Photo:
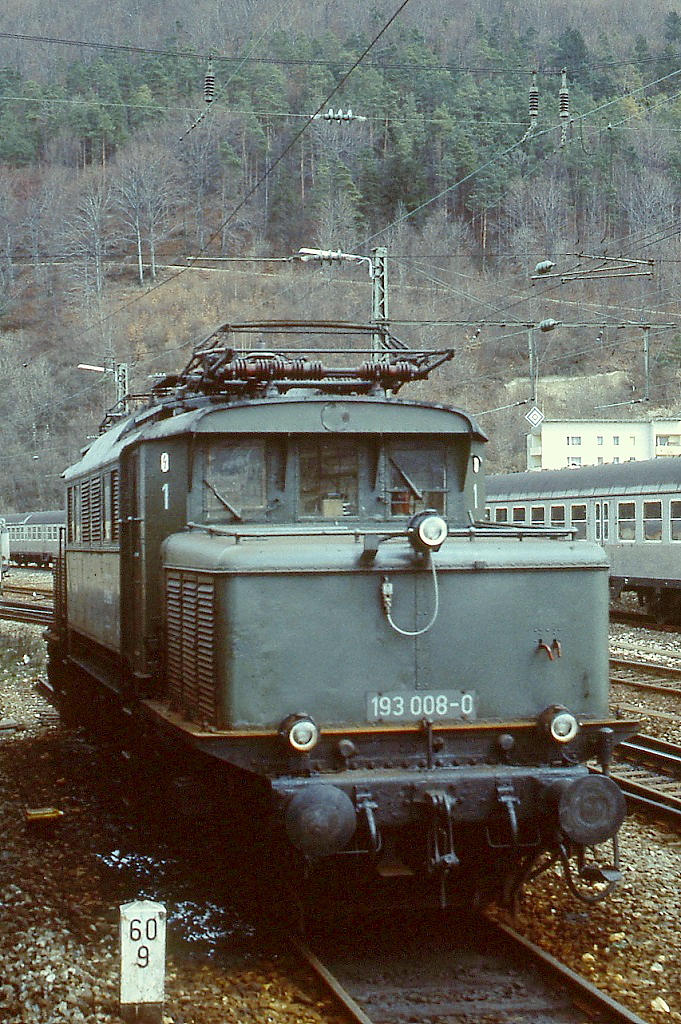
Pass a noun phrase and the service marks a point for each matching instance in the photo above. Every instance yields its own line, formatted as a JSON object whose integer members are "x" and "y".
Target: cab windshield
{"x": 290, "y": 479}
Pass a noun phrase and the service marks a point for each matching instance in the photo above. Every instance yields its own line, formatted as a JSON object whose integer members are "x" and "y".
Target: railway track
{"x": 648, "y": 771}
{"x": 649, "y": 658}
{"x": 27, "y": 591}
{"x": 469, "y": 968}
{"x": 16, "y": 611}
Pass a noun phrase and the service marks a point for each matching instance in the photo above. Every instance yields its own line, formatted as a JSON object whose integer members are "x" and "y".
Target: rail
{"x": 481, "y": 968}
{"x": 15, "y": 611}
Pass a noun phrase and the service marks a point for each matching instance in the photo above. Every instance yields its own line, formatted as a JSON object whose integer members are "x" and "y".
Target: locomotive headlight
{"x": 561, "y": 725}
{"x": 564, "y": 727}
{"x": 427, "y": 530}
{"x": 300, "y": 732}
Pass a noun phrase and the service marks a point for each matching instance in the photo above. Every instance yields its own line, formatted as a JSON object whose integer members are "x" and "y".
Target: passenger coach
{"x": 632, "y": 509}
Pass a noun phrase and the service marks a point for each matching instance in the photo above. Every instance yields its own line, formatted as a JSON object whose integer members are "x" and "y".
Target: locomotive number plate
{"x": 412, "y": 707}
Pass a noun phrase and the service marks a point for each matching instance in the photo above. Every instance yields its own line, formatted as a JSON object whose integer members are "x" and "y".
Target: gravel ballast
{"x": 62, "y": 881}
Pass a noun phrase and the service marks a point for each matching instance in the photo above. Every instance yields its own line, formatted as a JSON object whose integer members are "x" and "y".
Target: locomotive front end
{"x": 440, "y": 707}
{"x": 415, "y": 686}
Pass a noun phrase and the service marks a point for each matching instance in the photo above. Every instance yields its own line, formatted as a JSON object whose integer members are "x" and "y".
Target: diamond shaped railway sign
{"x": 535, "y": 416}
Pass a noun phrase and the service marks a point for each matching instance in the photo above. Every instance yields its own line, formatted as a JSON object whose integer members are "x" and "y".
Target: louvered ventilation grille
{"x": 96, "y": 509}
{"x": 85, "y": 511}
{"x": 115, "y": 511}
{"x": 190, "y": 627}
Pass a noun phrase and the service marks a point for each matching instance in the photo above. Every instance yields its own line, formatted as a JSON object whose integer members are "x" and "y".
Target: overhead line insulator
{"x": 209, "y": 85}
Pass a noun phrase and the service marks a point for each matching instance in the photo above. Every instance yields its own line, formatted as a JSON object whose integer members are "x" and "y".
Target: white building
{"x": 557, "y": 444}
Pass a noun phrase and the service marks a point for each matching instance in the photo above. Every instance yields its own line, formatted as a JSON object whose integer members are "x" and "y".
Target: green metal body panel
{"x": 156, "y": 459}
{"x": 93, "y": 595}
{"x": 300, "y": 626}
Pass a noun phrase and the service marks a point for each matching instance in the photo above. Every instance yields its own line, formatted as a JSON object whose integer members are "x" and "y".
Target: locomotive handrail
{"x": 265, "y": 530}
{"x": 515, "y": 529}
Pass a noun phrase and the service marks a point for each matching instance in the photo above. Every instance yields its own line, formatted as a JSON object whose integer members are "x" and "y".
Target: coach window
{"x": 558, "y": 515}
{"x": 578, "y": 517}
{"x": 538, "y": 515}
{"x": 602, "y": 521}
{"x": 519, "y": 514}
{"x": 652, "y": 520}
{"x": 675, "y": 520}
{"x": 501, "y": 515}
{"x": 626, "y": 520}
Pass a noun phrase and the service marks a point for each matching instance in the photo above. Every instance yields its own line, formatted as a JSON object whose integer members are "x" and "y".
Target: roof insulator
{"x": 209, "y": 84}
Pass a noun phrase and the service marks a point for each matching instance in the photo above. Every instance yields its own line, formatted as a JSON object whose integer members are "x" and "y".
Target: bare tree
{"x": 145, "y": 194}
{"x": 42, "y": 214}
{"x": 89, "y": 234}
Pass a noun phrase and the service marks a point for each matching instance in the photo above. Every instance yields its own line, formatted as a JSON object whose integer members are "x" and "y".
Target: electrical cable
{"x": 330, "y": 61}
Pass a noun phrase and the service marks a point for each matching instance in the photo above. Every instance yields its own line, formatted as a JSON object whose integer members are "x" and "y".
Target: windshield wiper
{"x": 410, "y": 484}
{"x": 230, "y": 508}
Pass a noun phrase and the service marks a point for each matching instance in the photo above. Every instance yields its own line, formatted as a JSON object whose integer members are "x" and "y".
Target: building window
{"x": 633, "y": 441}
{"x": 574, "y": 440}
{"x": 574, "y": 460}
{"x": 626, "y": 520}
{"x": 599, "y": 440}
{"x": 615, "y": 461}
{"x": 652, "y": 520}
{"x": 600, "y": 460}
{"x": 616, "y": 439}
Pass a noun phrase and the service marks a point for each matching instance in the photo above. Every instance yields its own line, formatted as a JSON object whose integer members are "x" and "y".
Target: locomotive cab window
{"x": 416, "y": 479}
{"x": 234, "y": 481}
{"x": 329, "y": 478}
{"x": 675, "y": 520}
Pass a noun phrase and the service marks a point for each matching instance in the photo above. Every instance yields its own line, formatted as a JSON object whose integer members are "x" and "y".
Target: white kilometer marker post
{"x": 143, "y": 957}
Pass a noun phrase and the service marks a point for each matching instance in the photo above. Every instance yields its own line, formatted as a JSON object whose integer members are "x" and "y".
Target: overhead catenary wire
{"x": 334, "y": 61}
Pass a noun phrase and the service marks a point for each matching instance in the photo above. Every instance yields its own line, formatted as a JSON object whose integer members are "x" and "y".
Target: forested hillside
{"x": 473, "y": 141}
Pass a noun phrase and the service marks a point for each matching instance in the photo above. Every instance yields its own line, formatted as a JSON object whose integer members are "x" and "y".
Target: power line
{"x": 334, "y": 61}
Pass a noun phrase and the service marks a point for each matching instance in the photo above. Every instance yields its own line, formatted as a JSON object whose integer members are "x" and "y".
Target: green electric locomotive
{"x": 276, "y": 574}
